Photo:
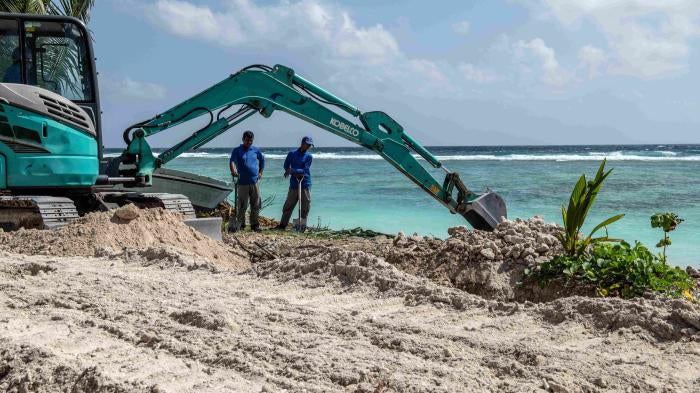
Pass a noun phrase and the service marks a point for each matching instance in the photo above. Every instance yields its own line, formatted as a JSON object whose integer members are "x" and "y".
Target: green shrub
{"x": 667, "y": 222}
{"x": 618, "y": 270}
{"x": 580, "y": 202}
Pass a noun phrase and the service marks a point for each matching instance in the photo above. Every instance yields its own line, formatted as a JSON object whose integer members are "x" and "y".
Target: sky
{"x": 496, "y": 72}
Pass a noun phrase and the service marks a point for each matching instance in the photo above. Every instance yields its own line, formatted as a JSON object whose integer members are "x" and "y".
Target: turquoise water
{"x": 353, "y": 187}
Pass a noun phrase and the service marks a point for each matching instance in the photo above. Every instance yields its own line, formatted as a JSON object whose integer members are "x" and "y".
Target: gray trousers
{"x": 291, "y": 202}
{"x": 248, "y": 193}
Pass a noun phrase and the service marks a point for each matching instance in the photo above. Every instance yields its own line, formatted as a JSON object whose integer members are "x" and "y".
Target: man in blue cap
{"x": 298, "y": 165}
{"x": 247, "y": 164}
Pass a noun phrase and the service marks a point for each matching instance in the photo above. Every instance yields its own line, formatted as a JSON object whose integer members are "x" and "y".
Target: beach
{"x": 278, "y": 311}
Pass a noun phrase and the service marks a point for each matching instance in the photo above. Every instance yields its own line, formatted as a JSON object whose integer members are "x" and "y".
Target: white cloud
{"x": 428, "y": 69}
{"x": 592, "y": 59}
{"x": 648, "y": 38}
{"x": 131, "y": 89}
{"x": 188, "y": 20}
{"x": 323, "y": 29}
{"x": 475, "y": 74}
{"x": 552, "y": 73}
{"x": 461, "y": 28}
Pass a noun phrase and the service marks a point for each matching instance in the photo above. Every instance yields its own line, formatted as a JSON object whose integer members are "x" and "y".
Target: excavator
{"x": 52, "y": 166}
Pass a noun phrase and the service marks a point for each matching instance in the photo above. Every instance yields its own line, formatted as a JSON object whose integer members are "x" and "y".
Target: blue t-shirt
{"x": 249, "y": 162}
{"x": 298, "y": 163}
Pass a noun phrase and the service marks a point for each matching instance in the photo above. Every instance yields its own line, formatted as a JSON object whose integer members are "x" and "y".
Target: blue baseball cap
{"x": 308, "y": 140}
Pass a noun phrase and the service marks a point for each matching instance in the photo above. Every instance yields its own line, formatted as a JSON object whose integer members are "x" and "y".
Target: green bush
{"x": 618, "y": 270}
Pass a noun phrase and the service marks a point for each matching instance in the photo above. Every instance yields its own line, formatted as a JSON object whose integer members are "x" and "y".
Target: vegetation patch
{"x": 620, "y": 270}
{"x": 612, "y": 266}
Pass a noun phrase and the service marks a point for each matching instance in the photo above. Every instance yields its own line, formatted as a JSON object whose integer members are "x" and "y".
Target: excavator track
{"x": 176, "y": 203}
{"x": 35, "y": 212}
{"x": 49, "y": 212}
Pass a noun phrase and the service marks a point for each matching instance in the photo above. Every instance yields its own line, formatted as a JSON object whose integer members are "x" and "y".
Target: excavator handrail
{"x": 262, "y": 89}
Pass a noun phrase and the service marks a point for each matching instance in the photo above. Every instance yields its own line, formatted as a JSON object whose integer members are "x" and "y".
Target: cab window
{"x": 55, "y": 58}
{"x": 10, "y": 54}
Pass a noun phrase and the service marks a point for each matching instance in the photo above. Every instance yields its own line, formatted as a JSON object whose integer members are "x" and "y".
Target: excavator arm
{"x": 261, "y": 89}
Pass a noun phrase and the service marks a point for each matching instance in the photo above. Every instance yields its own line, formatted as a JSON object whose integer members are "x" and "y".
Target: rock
{"x": 557, "y": 387}
{"x": 601, "y": 382}
{"x": 513, "y": 239}
{"x": 488, "y": 253}
{"x": 456, "y": 231}
{"x": 528, "y": 252}
{"x": 539, "y": 360}
{"x": 127, "y": 212}
{"x": 536, "y": 220}
{"x": 692, "y": 272}
{"x": 542, "y": 248}
{"x": 399, "y": 238}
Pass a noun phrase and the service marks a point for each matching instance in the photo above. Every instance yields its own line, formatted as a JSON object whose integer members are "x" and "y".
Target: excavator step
{"x": 35, "y": 212}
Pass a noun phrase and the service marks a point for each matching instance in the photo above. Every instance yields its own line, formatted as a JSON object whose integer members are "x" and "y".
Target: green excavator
{"x": 52, "y": 167}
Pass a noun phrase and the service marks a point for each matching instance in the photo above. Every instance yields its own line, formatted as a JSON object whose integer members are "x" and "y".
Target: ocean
{"x": 352, "y": 187}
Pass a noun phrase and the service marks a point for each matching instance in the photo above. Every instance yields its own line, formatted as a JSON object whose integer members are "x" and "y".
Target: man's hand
{"x": 234, "y": 174}
{"x": 286, "y": 173}
{"x": 259, "y": 175}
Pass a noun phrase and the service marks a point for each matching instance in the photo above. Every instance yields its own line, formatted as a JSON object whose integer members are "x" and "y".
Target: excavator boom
{"x": 263, "y": 90}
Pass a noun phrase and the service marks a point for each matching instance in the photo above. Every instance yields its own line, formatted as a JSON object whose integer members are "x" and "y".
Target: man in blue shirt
{"x": 298, "y": 164}
{"x": 247, "y": 164}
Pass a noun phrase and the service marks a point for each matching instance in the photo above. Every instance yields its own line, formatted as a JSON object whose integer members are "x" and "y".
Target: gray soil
{"x": 378, "y": 315}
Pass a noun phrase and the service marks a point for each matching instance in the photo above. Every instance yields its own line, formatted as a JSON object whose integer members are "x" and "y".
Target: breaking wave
{"x": 590, "y": 156}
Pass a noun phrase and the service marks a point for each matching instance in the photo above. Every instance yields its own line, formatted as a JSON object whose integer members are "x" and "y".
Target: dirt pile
{"x": 658, "y": 319}
{"x": 361, "y": 272}
{"x": 489, "y": 264}
{"x": 152, "y": 231}
{"x": 358, "y": 271}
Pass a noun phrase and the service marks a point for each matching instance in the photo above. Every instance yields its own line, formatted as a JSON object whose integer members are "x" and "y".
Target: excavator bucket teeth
{"x": 486, "y": 211}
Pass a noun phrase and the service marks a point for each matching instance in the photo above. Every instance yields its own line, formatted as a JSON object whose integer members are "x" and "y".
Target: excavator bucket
{"x": 485, "y": 212}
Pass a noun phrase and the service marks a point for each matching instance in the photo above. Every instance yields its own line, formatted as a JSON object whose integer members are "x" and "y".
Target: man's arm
{"x": 305, "y": 169}
{"x": 261, "y": 163}
{"x": 287, "y": 165}
{"x": 232, "y": 165}
{"x": 307, "y": 165}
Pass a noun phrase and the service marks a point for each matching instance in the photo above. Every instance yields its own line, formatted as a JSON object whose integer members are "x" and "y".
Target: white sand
{"x": 320, "y": 318}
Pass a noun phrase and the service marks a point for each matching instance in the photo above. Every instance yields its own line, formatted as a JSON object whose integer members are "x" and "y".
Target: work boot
{"x": 256, "y": 229}
{"x": 280, "y": 228}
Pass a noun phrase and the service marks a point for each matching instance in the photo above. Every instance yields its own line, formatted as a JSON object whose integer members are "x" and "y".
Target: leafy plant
{"x": 667, "y": 222}
{"x": 574, "y": 216}
{"x": 619, "y": 270}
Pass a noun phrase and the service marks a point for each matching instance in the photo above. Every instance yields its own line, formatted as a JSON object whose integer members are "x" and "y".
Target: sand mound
{"x": 105, "y": 234}
{"x": 664, "y": 319}
{"x": 360, "y": 272}
{"x": 489, "y": 264}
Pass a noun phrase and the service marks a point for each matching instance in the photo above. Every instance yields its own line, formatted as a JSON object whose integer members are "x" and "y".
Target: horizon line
{"x": 429, "y": 146}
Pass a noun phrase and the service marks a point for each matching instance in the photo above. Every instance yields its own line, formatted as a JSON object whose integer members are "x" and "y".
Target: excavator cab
{"x": 50, "y": 130}
{"x": 49, "y": 108}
